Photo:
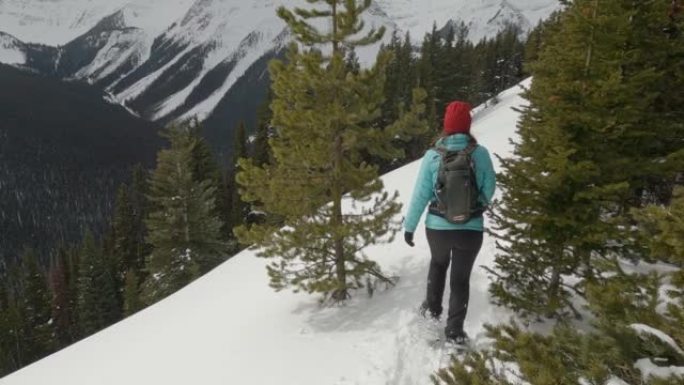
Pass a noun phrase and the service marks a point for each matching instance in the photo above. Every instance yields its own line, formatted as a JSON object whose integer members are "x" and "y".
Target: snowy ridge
{"x": 484, "y": 17}
{"x": 11, "y": 51}
{"x": 57, "y": 22}
{"x": 53, "y": 22}
{"x": 226, "y": 326}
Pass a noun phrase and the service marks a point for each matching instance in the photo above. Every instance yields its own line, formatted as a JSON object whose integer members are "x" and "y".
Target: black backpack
{"x": 456, "y": 189}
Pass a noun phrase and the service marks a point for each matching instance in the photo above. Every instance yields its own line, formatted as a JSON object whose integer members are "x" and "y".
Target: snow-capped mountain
{"x": 167, "y": 59}
{"x": 483, "y": 17}
{"x": 11, "y": 50}
{"x": 53, "y": 22}
{"x": 230, "y": 327}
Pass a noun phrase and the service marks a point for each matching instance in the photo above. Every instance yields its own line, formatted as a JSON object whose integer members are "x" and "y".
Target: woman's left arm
{"x": 485, "y": 174}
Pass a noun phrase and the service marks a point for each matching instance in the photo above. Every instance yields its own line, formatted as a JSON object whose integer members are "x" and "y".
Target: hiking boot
{"x": 425, "y": 312}
{"x": 459, "y": 338}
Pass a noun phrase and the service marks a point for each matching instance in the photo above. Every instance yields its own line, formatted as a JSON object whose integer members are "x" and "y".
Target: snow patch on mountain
{"x": 141, "y": 85}
{"x": 11, "y": 51}
{"x": 239, "y": 34}
{"x": 253, "y": 47}
{"x": 154, "y": 16}
{"x": 119, "y": 48}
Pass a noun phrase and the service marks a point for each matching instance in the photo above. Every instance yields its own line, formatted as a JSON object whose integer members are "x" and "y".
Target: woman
{"x": 457, "y": 244}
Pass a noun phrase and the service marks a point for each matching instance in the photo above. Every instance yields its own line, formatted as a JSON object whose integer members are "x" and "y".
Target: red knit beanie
{"x": 457, "y": 118}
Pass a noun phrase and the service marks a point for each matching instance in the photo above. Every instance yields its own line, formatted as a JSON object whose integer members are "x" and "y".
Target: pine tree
{"x": 463, "y": 58}
{"x": 132, "y": 301}
{"x": 260, "y": 151}
{"x": 445, "y": 70}
{"x": 140, "y": 208}
{"x": 126, "y": 247}
{"x": 128, "y": 231}
{"x": 63, "y": 311}
{"x": 602, "y": 87}
{"x": 205, "y": 167}
{"x": 36, "y": 306}
{"x": 664, "y": 227}
{"x": 427, "y": 78}
{"x": 584, "y": 156}
{"x": 392, "y": 80}
{"x": 12, "y": 342}
{"x": 408, "y": 71}
{"x": 322, "y": 113}
{"x": 401, "y": 84}
{"x": 238, "y": 208}
{"x": 414, "y": 97}
{"x": 626, "y": 310}
{"x": 7, "y": 339}
{"x": 98, "y": 293}
{"x": 184, "y": 227}
{"x": 352, "y": 63}
{"x": 509, "y": 50}
{"x": 112, "y": 263}
{"x": 537, "y": 38}
{"x": 73, "y": 267}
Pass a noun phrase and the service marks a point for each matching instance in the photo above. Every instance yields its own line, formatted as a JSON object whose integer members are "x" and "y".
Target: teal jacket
{"x": 423, "y": 192}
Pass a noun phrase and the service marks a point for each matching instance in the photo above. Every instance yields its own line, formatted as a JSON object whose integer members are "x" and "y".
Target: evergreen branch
{"x": 311, "y": 14}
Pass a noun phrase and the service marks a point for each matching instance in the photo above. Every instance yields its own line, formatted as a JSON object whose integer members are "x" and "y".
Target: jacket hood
{"x": 454, "y": 142}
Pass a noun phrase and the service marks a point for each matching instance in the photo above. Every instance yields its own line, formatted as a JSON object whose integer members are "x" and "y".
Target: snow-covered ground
{"x": 229, "y": 327}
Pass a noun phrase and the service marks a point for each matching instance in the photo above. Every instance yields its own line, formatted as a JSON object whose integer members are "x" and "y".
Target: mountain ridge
{"x": 154, "y": 56}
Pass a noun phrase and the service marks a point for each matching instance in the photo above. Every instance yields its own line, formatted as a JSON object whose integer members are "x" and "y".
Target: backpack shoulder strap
{"x": 470, "y": 148}
{"x": 441, "y": 150}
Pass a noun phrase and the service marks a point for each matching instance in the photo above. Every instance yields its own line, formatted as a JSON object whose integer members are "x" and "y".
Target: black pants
{"x": 460, "y": 248}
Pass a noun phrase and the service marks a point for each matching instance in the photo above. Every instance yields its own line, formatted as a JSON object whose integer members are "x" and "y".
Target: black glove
{"x": 408, "y": 237}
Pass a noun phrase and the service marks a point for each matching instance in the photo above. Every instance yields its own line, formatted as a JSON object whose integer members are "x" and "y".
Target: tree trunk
{"x": 590, "y": 50}
{"x": 554, "y": 294}
{"x": 340, "y": 293}
{"x": 335, "y": 42}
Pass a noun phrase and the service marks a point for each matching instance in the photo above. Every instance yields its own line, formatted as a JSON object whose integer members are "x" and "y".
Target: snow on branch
{"x": 645, "y": 329}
